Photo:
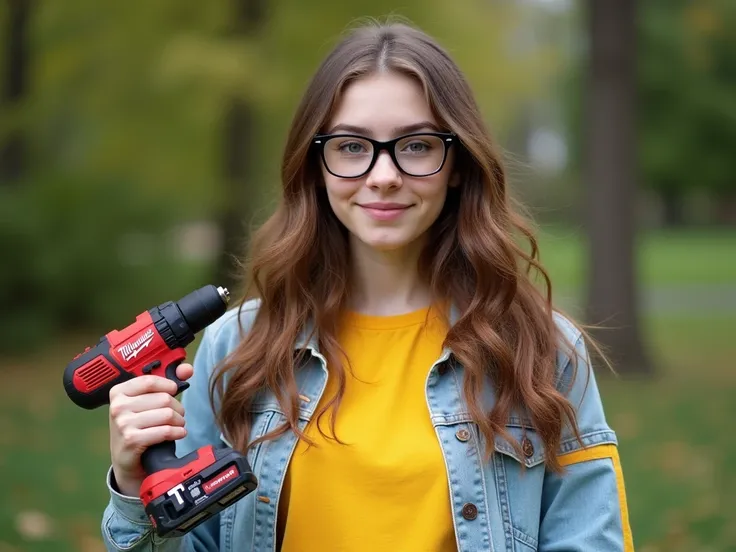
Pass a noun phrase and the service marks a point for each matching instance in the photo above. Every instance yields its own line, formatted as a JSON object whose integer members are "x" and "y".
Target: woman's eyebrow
{"x": 406, "y": 129}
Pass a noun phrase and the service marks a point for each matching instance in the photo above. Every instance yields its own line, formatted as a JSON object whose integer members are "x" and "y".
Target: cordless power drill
{"x": 178, "y": 493}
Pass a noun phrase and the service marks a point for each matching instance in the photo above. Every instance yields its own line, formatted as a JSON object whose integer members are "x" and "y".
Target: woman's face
{"x": 385, "y": 209}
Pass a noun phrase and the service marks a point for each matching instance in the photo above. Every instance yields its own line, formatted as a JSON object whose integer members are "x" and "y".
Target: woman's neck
{"x": 384, "y": 283}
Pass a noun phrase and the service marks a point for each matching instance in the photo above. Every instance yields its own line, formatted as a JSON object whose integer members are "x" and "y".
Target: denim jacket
{"x": 510, "y": 503}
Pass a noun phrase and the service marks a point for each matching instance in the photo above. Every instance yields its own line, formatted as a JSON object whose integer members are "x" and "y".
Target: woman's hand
{"x": 143, "y": 412}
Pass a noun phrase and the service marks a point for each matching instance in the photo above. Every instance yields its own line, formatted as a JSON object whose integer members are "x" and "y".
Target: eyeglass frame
{"x": 448, "y": 139}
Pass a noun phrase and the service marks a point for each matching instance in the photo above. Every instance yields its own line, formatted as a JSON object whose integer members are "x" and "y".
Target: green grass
{"x": 664, "y": 258}
{"x": 56, "y": 455}
{"x": 677, "y": 452}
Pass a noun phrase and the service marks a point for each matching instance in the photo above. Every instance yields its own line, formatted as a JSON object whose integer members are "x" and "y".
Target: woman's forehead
{"x": 383, "y": 105}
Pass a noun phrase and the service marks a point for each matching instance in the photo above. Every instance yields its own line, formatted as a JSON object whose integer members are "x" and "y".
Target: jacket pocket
{"x": 530, "y": 442}
{"x": 519, "y": 478}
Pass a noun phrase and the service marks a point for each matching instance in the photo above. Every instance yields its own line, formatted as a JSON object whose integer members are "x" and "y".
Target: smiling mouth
{"x": 384, "y": 212}
{"x": 389, "y": 207}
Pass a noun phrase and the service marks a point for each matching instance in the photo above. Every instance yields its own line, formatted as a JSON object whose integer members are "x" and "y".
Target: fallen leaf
{"x": 7, "y": 434}
{"x": 728, "y": 537}
{"x": 676, "y": 536}
{"x": 34, "y": 525}
{"x": 84, "y": 532}
{"x": 705, "y": 506}
{"x": 38, "y": 441}
{"x": 91, "y": 544}
{"x": 626, "y": 425}
{"x": 98, "y": 441}
{"x": 675, "y": 457}
{"x": 702, "y": 468}
{"x": 67, "y": 479}
{"x": 43, "y": 405}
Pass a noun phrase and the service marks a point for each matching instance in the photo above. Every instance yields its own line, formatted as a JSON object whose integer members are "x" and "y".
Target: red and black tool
{"x": 178, "y": 493}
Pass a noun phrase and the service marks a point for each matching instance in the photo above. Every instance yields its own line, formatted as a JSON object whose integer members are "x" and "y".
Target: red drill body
{"x": 179, "y": 493}
{"x": 121, "y": 355}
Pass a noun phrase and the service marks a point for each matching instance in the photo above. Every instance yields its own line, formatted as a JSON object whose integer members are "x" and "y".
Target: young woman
{"x": 396, "y": 378}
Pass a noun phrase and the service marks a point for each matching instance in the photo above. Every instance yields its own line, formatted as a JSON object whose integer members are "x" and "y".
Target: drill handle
{"x": 160, "y": 457}
{"x": 163, "y": 455}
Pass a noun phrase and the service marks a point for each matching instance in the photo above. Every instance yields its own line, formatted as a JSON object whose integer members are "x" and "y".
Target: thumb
{"x": 184, "y": 371}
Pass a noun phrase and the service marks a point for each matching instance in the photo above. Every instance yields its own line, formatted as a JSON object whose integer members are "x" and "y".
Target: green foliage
{"x": 686, "y": 70}
{"x": 124, "y": 119}
{"x": 81, "y": 253}
{"x": 687, "y": 75}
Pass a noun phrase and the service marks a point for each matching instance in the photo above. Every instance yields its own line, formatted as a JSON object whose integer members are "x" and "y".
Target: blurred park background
{"x": 140, "y": 139}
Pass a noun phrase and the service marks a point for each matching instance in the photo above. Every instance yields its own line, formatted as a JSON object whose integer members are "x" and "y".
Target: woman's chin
{"x": 386, "y": 244}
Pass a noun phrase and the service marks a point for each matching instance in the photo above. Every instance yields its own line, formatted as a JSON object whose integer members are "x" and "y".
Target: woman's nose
{"x": 385, "y": 173}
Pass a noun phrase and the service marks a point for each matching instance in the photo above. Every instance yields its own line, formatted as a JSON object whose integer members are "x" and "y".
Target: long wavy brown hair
{"x": 298, "y": 264}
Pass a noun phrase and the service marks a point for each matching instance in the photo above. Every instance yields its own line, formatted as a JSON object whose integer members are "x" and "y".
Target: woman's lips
{"x": 384, "y": 211}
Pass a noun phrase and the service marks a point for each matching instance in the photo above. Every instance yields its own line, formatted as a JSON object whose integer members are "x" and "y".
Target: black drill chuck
{"x": 203, "y": 306}
{"x": 179, "y": 322}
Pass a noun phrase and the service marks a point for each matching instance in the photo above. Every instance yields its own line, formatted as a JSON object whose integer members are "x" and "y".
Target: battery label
{"x": 220, "y": 479}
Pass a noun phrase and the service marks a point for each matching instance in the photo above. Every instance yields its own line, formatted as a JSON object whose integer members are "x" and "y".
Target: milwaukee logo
{"x": 220, "y": 480}
{"x": 131, "y": 350}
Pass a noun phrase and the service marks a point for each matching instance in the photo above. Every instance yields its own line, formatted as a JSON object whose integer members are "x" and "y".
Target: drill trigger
{"x": 171, "y": 374}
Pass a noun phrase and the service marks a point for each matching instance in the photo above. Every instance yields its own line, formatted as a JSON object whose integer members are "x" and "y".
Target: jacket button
{"x": 462, "y": 435}
{"x": 470, "y": 511}
{"x": 527, "y": 447}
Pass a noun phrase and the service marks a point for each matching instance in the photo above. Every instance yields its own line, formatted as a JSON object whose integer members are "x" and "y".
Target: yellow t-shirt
{"x": 386, "y": 487}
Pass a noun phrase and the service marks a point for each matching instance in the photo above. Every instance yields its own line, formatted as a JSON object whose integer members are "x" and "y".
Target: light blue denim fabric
{"x": 497, "y": 506}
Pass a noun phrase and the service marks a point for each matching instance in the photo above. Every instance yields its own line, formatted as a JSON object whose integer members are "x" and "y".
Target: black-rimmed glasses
{"x": 352, "y": 156}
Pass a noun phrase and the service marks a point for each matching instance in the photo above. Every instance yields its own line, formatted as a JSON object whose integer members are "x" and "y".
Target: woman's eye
{"x": 352, "y": 147}
{"x": 417, "y": 147}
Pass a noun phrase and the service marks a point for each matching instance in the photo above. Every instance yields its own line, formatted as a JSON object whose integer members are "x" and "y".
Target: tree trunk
{"x": 674, "y": 208}
{"x": 239, "y": 141}
{"x": 233, "y": 219}
{"x": 13, "y": 147}
{"x": 611, "y": 182}
{"x": 725, "y": 208}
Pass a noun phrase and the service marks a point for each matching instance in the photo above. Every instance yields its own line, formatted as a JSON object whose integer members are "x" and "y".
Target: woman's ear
{"x": 318, "y": 171}
{"x": 454, "y": 180}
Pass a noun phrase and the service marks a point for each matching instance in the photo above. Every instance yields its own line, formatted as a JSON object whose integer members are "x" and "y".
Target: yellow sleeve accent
{"x": 600, "y": 452}
{"x": 593, "y": 453}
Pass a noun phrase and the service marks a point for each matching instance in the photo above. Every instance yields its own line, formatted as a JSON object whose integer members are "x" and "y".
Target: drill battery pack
{"x": 210, "y": 479}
